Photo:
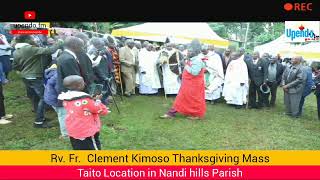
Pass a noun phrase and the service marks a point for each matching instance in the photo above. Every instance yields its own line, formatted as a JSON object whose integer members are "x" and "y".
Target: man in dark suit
{"x": 247, "y": 56}
{"x": 293, "y": 82}
{"x": 84, "y": 60}
{"x": 68, "y": 62}
{"x": 226, "y": 58}
{"x": 274, "y": 74}
{"x": 257, "y": 74}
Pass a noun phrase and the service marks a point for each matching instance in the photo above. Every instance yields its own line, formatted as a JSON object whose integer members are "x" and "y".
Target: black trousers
{"x": 273, "y": 92}
{"x": 253, "y": 91}
{"x": 2, "y": 109}
{"x": 35, "y": 91}
{"x": 89, "y": 143}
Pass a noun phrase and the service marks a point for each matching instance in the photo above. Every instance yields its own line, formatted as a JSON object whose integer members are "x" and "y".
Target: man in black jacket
{"x": 68, "y": 62}
{"x": 85, "y": 62}
{"x": 257, "y": 74}
{"x": 274, "y": 74}
{"x": 101, "y": 59}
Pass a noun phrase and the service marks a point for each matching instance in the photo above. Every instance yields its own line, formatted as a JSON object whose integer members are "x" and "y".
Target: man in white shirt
{"x": 214, "y": 75}
{"x": 171, "y": 81}
{"x": 149, "y": 77}
{"x": 236, "y": 82}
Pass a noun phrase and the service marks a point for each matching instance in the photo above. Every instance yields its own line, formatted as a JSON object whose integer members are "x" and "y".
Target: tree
{"x": 259, "y": 32}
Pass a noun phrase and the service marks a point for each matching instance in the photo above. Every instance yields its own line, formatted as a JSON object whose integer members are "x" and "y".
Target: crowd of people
{"x": 76, "y": 76}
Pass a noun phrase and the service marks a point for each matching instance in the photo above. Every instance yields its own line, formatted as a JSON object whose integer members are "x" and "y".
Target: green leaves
{"x": 259, "y": 32}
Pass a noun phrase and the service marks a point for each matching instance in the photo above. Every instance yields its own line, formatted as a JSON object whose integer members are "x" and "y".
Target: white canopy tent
{"x": 277, "y": 46}
{"x": 180, "y": 33}
{"x": 309, "y": 52}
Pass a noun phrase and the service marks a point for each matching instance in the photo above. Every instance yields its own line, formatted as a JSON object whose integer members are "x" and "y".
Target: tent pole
{"x": 246, "y": 37}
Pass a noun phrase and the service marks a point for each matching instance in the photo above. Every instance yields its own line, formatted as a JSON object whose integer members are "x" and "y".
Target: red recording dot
{"x": 288, "y": 6}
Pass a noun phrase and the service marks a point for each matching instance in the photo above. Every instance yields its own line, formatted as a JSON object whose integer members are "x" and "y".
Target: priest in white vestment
{"x": 171, "y": 82}
{"x": 214, "y": 75}
{"x": 236, "y": 82}
{"x": 149, "y": 77}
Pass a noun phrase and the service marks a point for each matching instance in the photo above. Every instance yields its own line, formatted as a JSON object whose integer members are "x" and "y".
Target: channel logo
{"x": 32, "y": 28}
{"x": 302, "y": 31}
{"x": 29, "y": 15}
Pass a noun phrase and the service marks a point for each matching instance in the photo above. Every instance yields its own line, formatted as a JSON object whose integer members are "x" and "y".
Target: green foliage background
{"x": 259, "y": 32}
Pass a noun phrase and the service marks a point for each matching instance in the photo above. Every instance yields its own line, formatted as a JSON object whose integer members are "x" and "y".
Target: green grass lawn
{"x": 138, "y": 126}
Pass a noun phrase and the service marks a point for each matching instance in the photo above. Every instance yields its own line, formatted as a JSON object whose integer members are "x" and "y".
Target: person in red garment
{"x": 190, "y": 100}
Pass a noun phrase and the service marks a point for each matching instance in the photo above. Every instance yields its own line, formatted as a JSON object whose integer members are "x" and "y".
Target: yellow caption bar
{"x": 160, "y": 157}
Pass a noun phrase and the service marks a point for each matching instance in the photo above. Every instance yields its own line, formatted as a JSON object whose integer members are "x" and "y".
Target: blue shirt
{"x": 309, "y": 81}
{"x": 196, "y": 65}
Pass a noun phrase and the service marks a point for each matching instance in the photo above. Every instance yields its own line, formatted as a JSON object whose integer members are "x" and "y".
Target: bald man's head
{"x": 137, "y": 44}
{"x": 73, "y": 82}
{"x": 205, "y": 49}
{"x": 227, "y": 52}
{"x": 194, "y": 48}
{"x": 83, "y": 36}
{"x": 235, "y": 55}
{"x": 149, "y": 47}
{"x": 211, "y": 47}
{"x": 169, "y": 46}
{"x": 296, "y": 60}
{"x": 145, "y": 44}
{"x": 98, "y": 43}
{"x": 74, "y": 44}
{"x": 255, "y": 55}
{"x": 130, "y": 43}
{"x": 242, "y": 51}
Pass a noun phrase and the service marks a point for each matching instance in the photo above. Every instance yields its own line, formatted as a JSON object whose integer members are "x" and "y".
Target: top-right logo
{"x": 302, "y": 31}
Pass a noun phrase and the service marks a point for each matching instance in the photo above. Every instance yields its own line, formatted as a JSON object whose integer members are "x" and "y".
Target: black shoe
{"x": 297, "y": 116}
{"x": 43, "y": 125}
{"x": 47, "y": 119}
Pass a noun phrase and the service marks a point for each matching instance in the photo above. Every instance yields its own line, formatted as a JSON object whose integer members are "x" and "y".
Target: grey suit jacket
{"x": 295, "y": 80}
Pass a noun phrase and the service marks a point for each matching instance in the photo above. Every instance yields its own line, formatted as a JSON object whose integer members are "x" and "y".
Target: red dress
{"x": 190, "y": 100}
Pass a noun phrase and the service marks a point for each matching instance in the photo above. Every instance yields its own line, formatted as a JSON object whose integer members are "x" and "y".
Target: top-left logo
{"x": 29, "y": 15}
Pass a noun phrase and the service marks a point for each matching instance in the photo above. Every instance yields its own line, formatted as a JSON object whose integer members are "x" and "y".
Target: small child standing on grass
{"x": 82, "y": 121}
{"x": 51, "y": 97}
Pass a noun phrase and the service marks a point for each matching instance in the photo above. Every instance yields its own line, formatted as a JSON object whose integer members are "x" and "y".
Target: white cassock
{"x": 233, "y": 92}
{"x": 214, "y": 77}
{"x": 171, "y": 84}
{"x": 136, "y": 58}
{"x": 149, "y": 81}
